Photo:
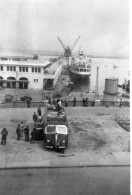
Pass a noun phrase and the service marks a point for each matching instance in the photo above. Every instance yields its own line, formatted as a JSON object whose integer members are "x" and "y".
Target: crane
{"x": 68, "y": 50}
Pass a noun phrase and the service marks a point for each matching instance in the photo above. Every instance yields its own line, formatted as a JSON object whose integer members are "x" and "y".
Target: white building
{"x": 27, "y": 73}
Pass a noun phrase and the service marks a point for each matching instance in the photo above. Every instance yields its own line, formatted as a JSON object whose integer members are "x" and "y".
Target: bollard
{"x": 128, "y": 146}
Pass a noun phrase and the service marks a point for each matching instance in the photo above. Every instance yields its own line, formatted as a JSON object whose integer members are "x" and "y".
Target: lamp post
{"x": 97, "y": 82}
{"x": 16, "y": 84}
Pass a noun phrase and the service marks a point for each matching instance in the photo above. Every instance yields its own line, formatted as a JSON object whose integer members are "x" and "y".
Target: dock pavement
{"x": 95, "y": 139}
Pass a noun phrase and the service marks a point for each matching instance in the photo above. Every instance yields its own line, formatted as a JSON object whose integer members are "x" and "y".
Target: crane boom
{"x": 75, "y": 43}
{"x": 61, "y": 43}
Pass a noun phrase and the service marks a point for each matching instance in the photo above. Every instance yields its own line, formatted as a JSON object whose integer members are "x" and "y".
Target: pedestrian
{"x": 74, "y": 101}
{"x": 4, "y": 133}
{"x": 49, "y": 101}
{"x": 66, "y": 103}
{"x": 120, "y": 102}
{"x": 28, "y": 103}
{"x": 87, "y": 102}
{"x": 18, "y": 130}
{"x": 33, "y": 135}
{"x": 59, "y": 104}
{"x": 34, "y": 117}
{"x": 26, "y": 132}
{"x": 39, "y": 111}
{"x": 21, "y": 129}
{"x": 93, "y": 102}
{"x": 84, "y": 101}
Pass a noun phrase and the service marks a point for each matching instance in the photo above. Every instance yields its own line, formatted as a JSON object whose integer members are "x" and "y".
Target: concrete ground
{"x": 66, "y": 181}
{"x": 95, "y": 139}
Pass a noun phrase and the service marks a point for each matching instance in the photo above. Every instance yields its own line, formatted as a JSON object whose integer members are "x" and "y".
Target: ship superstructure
{"x": 80, "y": 65}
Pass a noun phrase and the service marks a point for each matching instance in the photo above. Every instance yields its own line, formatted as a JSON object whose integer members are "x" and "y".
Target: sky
{"x": 35, "y": 24}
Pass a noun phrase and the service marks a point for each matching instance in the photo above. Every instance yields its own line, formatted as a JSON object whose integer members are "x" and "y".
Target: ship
{"x": 80, "y": 66}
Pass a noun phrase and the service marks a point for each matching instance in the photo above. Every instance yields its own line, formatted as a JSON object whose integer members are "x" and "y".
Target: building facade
{"x": 24, "y": 73}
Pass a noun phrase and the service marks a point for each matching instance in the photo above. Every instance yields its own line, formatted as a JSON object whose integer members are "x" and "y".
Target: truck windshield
{"x": 61, "y": 129}
{"x": 50, "y": 129}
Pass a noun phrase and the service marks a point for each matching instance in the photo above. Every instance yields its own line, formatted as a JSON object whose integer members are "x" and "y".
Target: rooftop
{"x": 32, "y": 62}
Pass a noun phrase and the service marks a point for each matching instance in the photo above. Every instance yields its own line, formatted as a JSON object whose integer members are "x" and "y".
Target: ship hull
{"x": 79, "y": 76}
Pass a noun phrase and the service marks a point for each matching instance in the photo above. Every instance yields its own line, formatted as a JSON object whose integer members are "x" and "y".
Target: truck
{"x": 55, "y": 129}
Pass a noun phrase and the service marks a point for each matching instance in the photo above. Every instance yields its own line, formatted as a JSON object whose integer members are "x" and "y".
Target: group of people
{"x": 21, "y": 130}
{"x": 38, "y": 116}
{"x": 85, "y": 101}
{"x": 55, "y": 105}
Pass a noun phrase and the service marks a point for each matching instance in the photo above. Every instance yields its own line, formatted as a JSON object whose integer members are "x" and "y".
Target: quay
{"x": 95, "y": 139}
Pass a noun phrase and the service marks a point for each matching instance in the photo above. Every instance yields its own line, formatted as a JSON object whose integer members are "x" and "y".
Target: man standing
{"x": 59, "y": 105}
{"x": 74, "y": 101}
{"x": 39, "y": 111}
{"x": 26, "y": 132}
{"x": 33, "y": 135}
{"x": 21, "y": 129}
{"x": 34, "y": 117}
{"x": 84, "y": 101}
{"x": 4, "y": 133}
{"x": 18, "y": 132}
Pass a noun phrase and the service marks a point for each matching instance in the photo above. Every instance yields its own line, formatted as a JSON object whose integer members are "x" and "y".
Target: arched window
{"x": 11, "y": 78}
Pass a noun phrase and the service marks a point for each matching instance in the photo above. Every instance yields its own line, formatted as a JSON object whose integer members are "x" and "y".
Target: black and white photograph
{"x": 65, "y": 97}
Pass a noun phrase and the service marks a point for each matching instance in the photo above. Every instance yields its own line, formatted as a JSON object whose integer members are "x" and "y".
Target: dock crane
{"x": 68, "y": 49}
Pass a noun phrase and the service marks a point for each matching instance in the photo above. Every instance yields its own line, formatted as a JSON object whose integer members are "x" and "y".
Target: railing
{"x": 20, "y": 104}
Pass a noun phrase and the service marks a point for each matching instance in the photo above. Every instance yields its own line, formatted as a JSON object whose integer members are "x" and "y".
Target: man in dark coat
{"x": 33, "y": 135}
{"x": 74, "y": 101}
{"x": 4, "y": 133}
{"x": 34, "y": 117}
{"x": 18, "y": 132}
{"x": 93, "y": 102}
{"x": 84, "y": 101}
{"x": 26, "y": 132}
{"x": 39, "y": 111}
{"x": 21, "y": 129}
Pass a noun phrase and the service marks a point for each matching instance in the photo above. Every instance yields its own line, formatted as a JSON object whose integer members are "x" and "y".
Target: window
{"x": 35, "y": 69}
{"x": 23, "y": 69}
{"x": 1, "y": 68}
{"x": 10, "y": 68}
{"x": 14, "y": 68}
{"x": 35, "y": 80}
{"x": 7, "y": 68}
